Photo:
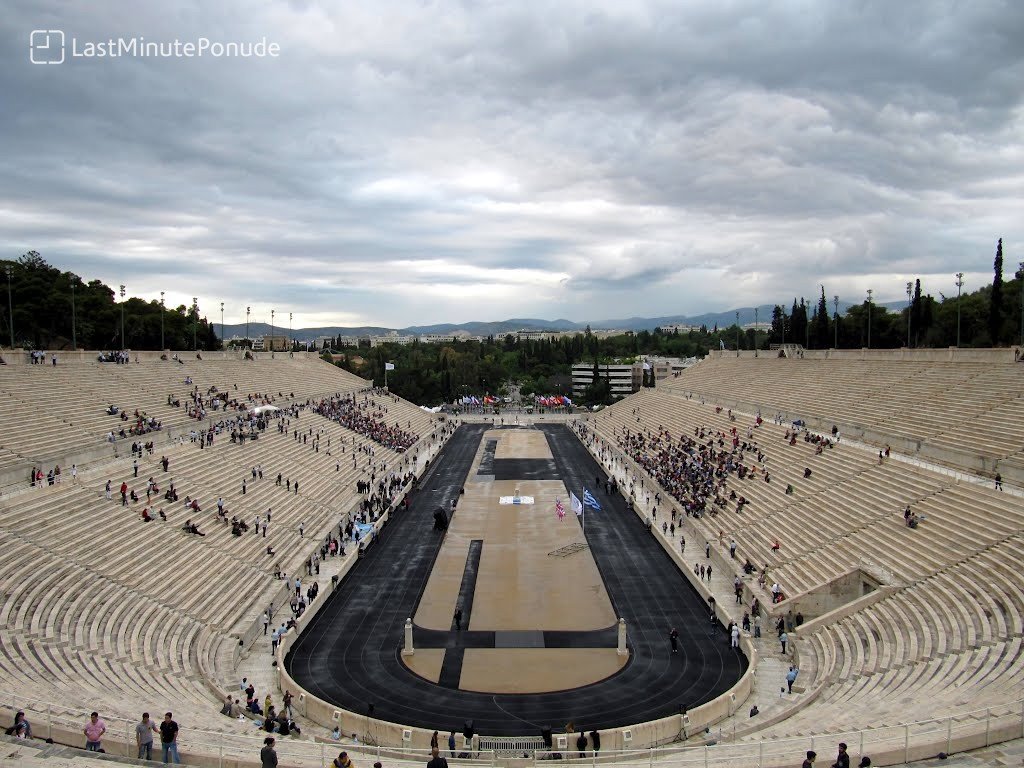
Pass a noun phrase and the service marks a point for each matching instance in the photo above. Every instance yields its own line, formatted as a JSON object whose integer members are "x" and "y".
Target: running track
{"x": 350, "y": 653}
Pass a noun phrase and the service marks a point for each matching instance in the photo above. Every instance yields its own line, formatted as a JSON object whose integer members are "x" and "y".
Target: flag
{"x": 590, "y": 501}
{"x": 389, "y": 366}
{"x": 559, "y": 509}
{"x": 577, "y": 505}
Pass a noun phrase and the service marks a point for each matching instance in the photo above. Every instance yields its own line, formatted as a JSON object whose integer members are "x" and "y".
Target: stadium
{"x": 794, "y": 474}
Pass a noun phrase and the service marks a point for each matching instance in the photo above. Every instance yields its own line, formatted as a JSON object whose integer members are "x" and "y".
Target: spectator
{"x": 21, "y": 727}
{"x": 343, "y": 761}
{"x": 169, "y": 738}
{"x": 268, "y": 757}
{"x": 843, "y": 758}
{"x": 436, "y": 761}
{"x": 144, "y": 737}
{"x": 809, "y": 762}
{"x": 94, "y": 730}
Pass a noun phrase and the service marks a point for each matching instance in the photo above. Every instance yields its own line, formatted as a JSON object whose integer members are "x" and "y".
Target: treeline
{"x": 45, "y": 302}
{"x": 992, "y": 316}
{"x": 436, "y": 373}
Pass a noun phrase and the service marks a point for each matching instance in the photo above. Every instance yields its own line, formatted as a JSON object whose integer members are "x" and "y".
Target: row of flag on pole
{"x": 579, "y": 507}
{"x": 552, "y": 401}
{"x": 474, "y": 400}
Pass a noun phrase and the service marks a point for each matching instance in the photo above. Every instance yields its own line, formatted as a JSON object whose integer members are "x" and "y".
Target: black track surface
{"x": 350, "y": 654}
{"x": 525, "y": 469}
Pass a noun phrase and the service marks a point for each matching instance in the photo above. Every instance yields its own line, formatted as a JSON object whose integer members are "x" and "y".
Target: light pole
{"x": 195, "y": 321}
{"x": 74, "y": 334}
{"x": 271, "y": 333}
{"x": 291, "y": 344}
{"x": 737, "y": 334}
{"x": 247, "y": 310}
{"x": 123, "y": 345}
{"x": 870, "y": 291}
{"x": 959, "y": 285}
{"x": 835, "y": 324}
{"x": 10, "y": 303}
{"x": 755, "y": 331}
{"x": 162, "y": 310}
{"x": 910, "y": 288}
{"x": 222, "y": 324}
{"x": 1020, "y": 271}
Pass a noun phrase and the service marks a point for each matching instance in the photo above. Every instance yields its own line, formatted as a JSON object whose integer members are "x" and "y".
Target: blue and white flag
{"x": 590, "y": 501}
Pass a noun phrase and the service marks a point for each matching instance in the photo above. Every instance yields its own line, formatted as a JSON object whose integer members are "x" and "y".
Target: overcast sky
{"x": 415, "y": 163}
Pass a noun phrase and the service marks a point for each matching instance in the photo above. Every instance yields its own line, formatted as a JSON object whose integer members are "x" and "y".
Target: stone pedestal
{"x": 408, "y": 650}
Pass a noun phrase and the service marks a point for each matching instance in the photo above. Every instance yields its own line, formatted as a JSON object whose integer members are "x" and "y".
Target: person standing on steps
{"x": 144, "y": 736}
{"x": 673, "y": 638}
{"x": 843, "y": 758}
{"x": 169, "y": 739}
{"x": 436, "y": 761}
{"x": 94, "y": 730}
{"x": 268, "y": 757}
{"x": 791, "y": 677}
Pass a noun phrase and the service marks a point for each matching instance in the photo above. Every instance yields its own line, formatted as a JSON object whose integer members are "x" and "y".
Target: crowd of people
{"x": 37, "y": 479}
{"x": 367, "y": 417}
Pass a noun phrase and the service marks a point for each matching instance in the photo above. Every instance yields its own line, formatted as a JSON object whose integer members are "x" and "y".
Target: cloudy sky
{"x": 412, "y": 163}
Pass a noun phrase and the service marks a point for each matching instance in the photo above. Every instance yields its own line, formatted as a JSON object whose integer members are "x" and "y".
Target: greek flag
{"x": 590, "y": 501}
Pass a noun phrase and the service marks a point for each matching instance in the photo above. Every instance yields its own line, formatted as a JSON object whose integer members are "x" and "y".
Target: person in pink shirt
{"x": 94, "y": 731}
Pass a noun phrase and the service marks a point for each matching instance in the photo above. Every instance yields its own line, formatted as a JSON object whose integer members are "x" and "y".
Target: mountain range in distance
{"x": 495, "y": 328}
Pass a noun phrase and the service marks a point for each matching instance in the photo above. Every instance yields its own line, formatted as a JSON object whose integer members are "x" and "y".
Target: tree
{"x": 916, "y": 329}
{"x": 777, "y": 335}
{"x": 995, "y": 306}
{"x": 822, "y": 340}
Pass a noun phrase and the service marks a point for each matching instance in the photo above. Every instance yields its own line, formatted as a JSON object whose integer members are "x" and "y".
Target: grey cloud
{"x": 646, "y": 156}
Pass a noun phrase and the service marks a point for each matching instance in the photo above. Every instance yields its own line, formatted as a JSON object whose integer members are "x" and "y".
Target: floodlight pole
{"x": 123, "y": 345}
{"x": 870, "y": 291}
{"x": 959, "y": 285}
{"x": 835, "y": 326}
{"x": 910, "y": 287}
{"x": 10, "y": 302}
{"x": 755, "y": 331}
{"x": 74, "y": 332}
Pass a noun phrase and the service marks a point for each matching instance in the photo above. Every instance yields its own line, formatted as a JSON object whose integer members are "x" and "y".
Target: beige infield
{"x": 521, "y": 585}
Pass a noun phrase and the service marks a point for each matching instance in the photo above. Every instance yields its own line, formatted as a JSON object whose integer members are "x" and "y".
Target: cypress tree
{"x": 995, "y": 308}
